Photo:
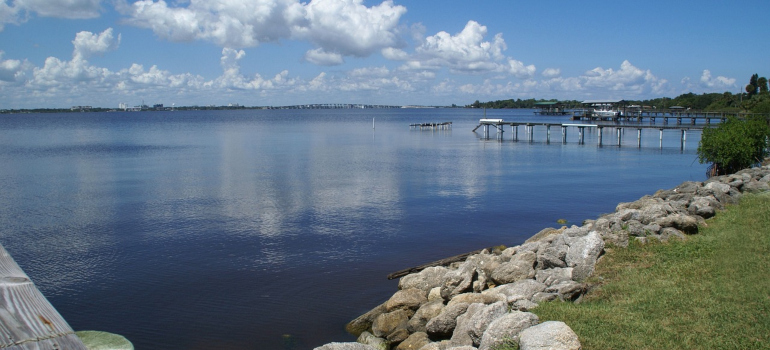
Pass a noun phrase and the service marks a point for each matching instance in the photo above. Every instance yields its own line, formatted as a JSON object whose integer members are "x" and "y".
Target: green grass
{"x": 711, "y": 291}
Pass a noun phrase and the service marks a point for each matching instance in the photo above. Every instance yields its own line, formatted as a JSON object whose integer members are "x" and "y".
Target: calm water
{"x": 272, "y": 229}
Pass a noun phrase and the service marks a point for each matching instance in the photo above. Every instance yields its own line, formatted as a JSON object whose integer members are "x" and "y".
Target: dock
{"x": 27, "y": 320}
{"x": 529, "y": 128}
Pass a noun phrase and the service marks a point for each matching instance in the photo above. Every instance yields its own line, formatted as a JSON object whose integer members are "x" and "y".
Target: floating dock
{"x": 432, "y": 126}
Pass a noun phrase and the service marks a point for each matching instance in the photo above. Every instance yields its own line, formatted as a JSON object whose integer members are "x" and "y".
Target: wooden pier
{"x": 432, "y": 126}
{"x": 670, "y": 116}
{"x": 529, "y": 128}
{"x": 27, "y": 320}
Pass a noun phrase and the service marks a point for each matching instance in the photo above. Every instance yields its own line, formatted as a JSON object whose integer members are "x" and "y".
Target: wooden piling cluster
{"x": 499, "y": 125}
{"x": 27, "y": 320}
{"x": 432, "y": 126}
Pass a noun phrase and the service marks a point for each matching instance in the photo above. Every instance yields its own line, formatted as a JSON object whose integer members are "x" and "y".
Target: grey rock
{"x": 718, "y": 187}
{"x": 375, "y": 342}
{"x": 425, "y": 313}
{"x": 542, "y": 297}
{"x": 652, "y": 229}
{"x": 507, "y": 328}
{"x": 425, "y": 280}
{"x": 703, "y": 206}
{"x": 524, "y": 305}
{"x": 582, "y": 254}
{"x": 544, "y": 233}
{"x": 444, "y": 324}
{"x": 407, "y": 299}
{"x": 550, "y": 335}
{"x": 398, "y": 335}
{"x": 671, "y": 233}
{"x": 567, "y": 290}
{"x": 520, "y": 267}
{"x": 414, "y": 342}
{"x": 684, "y": 223}
{"x": 480, "y": 320}
{"x": 635, "y": 228}
{"x": 461, "y": 335}
{"x": 435, "y": 294}
{"x": 754, "y": 186}
{"x": 523, "y": 289}
{"x": 553, "y": 255}
{"x": 387, "y": 323}
{"x": 485, "y": 263}
{"x": 554, "y": 275}
{"x": 576, "y": 231}
{"x": 345, "y": 346}
{"x": 458, "y": 281}
{"x": 364, "y": 322}
{"x": 471, "y": 298}
{"x": 440, "y": 345}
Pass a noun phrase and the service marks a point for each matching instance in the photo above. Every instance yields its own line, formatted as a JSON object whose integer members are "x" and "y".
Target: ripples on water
{"x": 272, "y": 229}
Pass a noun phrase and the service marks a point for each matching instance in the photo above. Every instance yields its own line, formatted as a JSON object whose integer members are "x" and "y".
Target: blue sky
{"x": 60, "y": 53}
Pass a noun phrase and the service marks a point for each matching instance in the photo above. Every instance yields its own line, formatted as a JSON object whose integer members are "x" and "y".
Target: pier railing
{"x": 27, "y": 320}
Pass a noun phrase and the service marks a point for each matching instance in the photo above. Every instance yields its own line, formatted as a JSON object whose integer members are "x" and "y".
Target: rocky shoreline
{"x": 485, "y": 300}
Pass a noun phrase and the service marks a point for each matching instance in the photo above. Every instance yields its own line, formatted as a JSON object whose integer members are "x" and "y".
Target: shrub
{"x": 734, "y": 145}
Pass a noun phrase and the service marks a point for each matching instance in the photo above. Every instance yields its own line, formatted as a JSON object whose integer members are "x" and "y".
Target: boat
{"x": 605, "y": 112}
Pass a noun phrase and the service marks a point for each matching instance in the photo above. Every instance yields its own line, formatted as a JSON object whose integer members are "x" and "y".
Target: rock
{"x": 582, "y": 254}
{"x": 567, "y": 290}
{"x": 388, "y": 323}
{"x": 553, "y": 255}
{"x": 754, "y": 186}
{"x": 424, "y": 314}
{"x": 524, "y": 305}
{"x": 425, "y": 280}
{"x": 435, "y": 294}
{"x": 345, "y": 346}
{"x": 375, "y": 342}
{"x": 398, "y": 336}
{"x": 461, "y": 335}
{"x": 414, "y": 341}
{"x": 406, "y": 299}
{"x": 717, "y": 187}
{"x": 364, "y": 322}
{"x": 458, "y": 281}
{"x": 443, "y": 324}
{"x": 542, "y": 297}
{"x": 651, "y": 213}
{"x": 471, "y": 298}
{"x": 684, "y": 223}
{"x": 520, "y": 267}
{"x": 484, "y": 262}
{"x": 669, "y": 233}
{"x": 507, "y": 328}
{"x": 576, "y": 231}
{"x": 523, "y": 289}
{"x": 483, "y": 318}
{"x": 704, "y": 206}
{"x": 441, "y": 345}
{"x": 554, "y": 275}
{"x": 550, "y": 335}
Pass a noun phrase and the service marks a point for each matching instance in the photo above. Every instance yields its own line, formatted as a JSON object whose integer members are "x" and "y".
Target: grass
{"x": 711, "y": 291}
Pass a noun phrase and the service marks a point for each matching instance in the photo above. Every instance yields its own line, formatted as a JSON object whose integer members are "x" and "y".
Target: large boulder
{"x": 407, "y": 299}
{"x": 415, "y": 341}
{"x": 458, "y": 281}
{"x": 553, "y": 255}
{"x": 684, "y": 223}
{"x": 755, "y": 186}
{"x": 519, "y": 290}
{"x": 567, "y": 290}
{"x": 554, "y": 275}
{"x": 520, "y": 267}
{"x": 481, "y": 320}
{"x": 582, "y": 254}
{"x": 364, "y": 322}
{"x": 386, "y": 324}
{"x": 375, "y": 342}
{"x": 507, "y": 328}
{"x": 461, "y": 335}
{"x": 425, "y": 280}
{"x": 424, "y": 314}
{"x": 444, "y": 324}
{"x": 550, "y": 335}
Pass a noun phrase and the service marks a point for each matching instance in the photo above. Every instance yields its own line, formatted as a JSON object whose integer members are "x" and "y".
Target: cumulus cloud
{"x": 337, "y": 27}
{"x": 232, "y": 78}
{"x": 11, "y": 70}
{"x": 88, "y": 44}
{"x": 716, "y": 83}
{"x": 551, "y": 72}
{"x": 465, "y": 52}
{"x": 628, "y": 78}
{"x": 323, "y": 58}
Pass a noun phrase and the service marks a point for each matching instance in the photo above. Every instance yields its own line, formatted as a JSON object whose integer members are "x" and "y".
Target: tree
{"x": 751, "y": 89}
{"x": 734, "y": 145}
{"x": 762, "y": 85}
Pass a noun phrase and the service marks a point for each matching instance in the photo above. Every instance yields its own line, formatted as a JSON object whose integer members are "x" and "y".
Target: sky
{"x": 101, "y": 53}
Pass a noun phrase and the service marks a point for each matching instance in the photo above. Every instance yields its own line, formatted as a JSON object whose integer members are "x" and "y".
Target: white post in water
{"x": 619, "y": 130}
{"x": 600, "y": 134}
{"x": 661, "y": 138}
{"x": 372, "y": 123}
{"x": 639, "y": 138}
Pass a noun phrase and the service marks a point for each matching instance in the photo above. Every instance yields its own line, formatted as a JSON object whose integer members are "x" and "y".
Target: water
{"x": 272, "y": 229}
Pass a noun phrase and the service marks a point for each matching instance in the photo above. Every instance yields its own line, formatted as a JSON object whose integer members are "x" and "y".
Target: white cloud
{"x": 718, "y": 83}
{"x": 519, "y": 70}
{"x": 323, "y": 58}
{"x": 87, "y": 43}
{"x": 8, "y": 14}
{"x": 11, "y": 70}
{"x": 232, "y": 78}
{"x": 628, "y": 78}
{"x": 73, "y": 9}
{"x": 464, "y": 52}
{"x": 337, "y": 27}
{"x": 551, "y": 72}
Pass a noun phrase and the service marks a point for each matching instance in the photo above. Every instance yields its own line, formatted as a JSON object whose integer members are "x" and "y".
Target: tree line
{"x": 755, "y": 99}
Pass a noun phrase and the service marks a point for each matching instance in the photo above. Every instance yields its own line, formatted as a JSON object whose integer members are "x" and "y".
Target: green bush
{"x": 734, "y": 145}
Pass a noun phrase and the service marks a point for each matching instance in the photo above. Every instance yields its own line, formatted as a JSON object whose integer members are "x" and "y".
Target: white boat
{"x": 605, "y": 113}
